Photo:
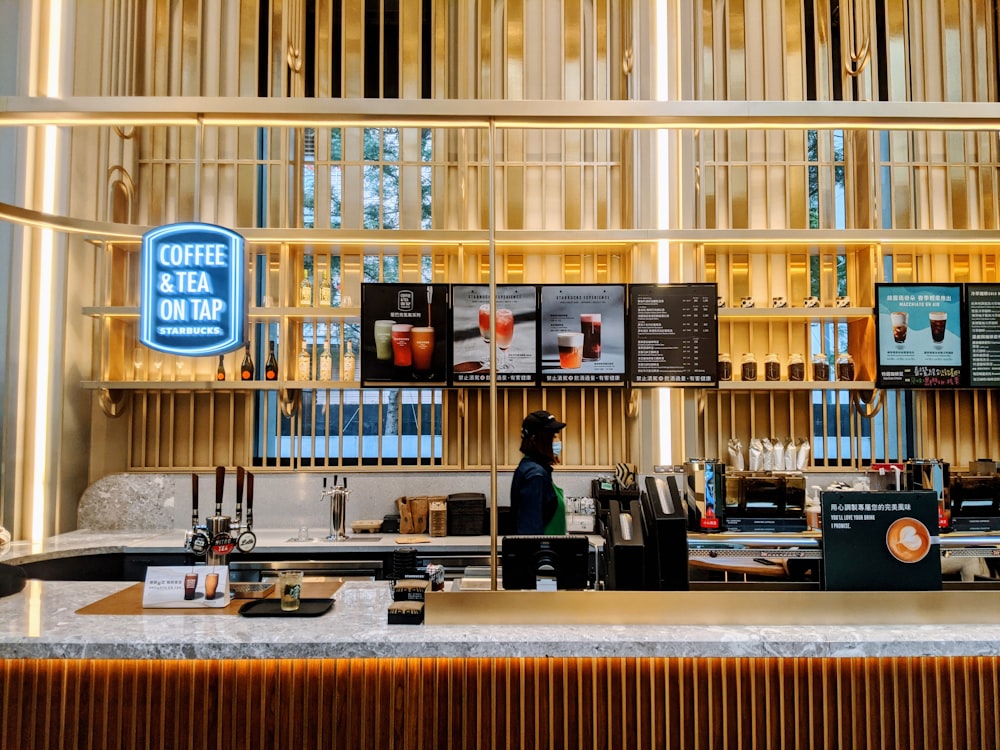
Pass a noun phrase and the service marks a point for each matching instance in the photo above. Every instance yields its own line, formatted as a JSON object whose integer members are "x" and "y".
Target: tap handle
{"x": 220, "y": 483}
{"x": 240, "y": 475}
{"x": 249, "y": 500}
{"x": 194, "y": 500}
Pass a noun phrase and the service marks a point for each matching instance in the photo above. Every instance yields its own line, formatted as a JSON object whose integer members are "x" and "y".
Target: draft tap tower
{"x": 220, "y": 535}
{"x": 338, "y": 509}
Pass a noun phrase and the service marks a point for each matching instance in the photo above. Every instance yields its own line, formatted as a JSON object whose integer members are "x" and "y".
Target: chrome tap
{"x": 338, "y": 509}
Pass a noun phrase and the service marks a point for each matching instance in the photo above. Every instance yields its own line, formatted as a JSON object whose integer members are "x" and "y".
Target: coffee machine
{"x": 975, "y": 497}
{"x": 705, "y": 493}
{"x": 930, "y": 474}
{"x": 765, "y": 501}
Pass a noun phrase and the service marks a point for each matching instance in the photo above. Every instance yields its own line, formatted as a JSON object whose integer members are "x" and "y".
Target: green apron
{"x": 557, "y": 525}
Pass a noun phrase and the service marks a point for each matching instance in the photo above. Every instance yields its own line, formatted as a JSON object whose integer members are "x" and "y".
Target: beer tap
{"x": 338, "y": 507}
{"x": 219, "y": 536}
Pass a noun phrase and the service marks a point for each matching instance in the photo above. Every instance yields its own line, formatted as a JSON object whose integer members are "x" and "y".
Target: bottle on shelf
{"x": 271, "y": 365}
{"x": 326, "y": 362}
{"x": 305, "y": 292}
{"x": 304, "y": 371}
{"x": 220, "y": 373}
{"x": 348, "y": 364}
{"x": 246, "y": 369}
{"x": 325, "y": 297}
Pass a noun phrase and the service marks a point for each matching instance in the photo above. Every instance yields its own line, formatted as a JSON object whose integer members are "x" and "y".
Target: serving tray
{"x": 272, "y": 608}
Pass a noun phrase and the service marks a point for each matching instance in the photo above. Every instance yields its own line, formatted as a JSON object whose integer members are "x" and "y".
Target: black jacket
{"x": 532, "y": 496}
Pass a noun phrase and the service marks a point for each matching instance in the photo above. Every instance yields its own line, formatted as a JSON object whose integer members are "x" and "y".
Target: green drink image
{"x": 383, "y": 339}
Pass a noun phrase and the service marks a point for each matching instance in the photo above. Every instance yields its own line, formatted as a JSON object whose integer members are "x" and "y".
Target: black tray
{"x": 272, "y": 608}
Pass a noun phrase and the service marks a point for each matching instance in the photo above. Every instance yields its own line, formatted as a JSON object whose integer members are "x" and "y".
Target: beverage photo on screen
{"x": 583, "y": 333}
{"x": 404, "y": 334}
{"x": 920, "y": 335}
{"x": 515, "y": 323}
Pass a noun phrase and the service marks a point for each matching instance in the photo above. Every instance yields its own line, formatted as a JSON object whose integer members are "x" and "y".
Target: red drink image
{"x": 402, "y": 354}
{"x": 590, "y": 325}
{"x": 422, "y": 346}
{"x": 505, "y": 328}
{"x": 570, "y": 350}
{"x": 484, "y": 322}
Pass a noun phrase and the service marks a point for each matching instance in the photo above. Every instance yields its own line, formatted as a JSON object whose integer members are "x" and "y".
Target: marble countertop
{"x": 41, "y": 622}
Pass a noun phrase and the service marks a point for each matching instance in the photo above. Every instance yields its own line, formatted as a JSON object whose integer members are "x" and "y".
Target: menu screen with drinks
{"x": 515, "y": 322}
{"x": 404, "y": 334}
{"x": 582, "y": 334}
{"x": 920, "y": 335}
{"x": 982, "y": 302}
{"x": 674, "y": 334}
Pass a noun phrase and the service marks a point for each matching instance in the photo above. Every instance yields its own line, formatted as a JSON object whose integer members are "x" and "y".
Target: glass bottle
{"x": 348, "y": 374}
{"x": 246, "y": 369}
{"x": 305, "y": 292}
{"x": 326, "y": 363}
{"x": 304, "y": 364}
{"x": 324, "y": 290}
{"x": 271, "y": 366}
{"x": 220, "y": 373}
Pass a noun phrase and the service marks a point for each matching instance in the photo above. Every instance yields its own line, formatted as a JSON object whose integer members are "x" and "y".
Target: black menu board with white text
{"x": 982, "y": 303}
{"x": 673, "y": 335}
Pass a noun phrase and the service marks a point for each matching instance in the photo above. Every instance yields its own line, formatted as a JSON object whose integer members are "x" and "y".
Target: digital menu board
{"x": 516, "y": 329}
{"x": 982, "y": 304}
{"x": 674, "y": 334}
{"x": 404, "y": 334}
{"x": 582, "y": 333}
{"x": 920, "y": 335}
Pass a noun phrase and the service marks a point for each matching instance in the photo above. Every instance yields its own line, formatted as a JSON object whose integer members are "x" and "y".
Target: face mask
{"x": 556, "y": 448}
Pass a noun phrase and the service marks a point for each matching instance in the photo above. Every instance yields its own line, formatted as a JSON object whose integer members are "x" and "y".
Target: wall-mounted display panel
{"x": 582, "y": 336}
{"x": 920, "y": 336}
{"x": 516, "y": 328}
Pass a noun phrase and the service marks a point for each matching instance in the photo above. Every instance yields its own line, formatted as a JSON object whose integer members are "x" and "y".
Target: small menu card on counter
{"x": 186, "y": 587}
{"x": 881, "y": 541}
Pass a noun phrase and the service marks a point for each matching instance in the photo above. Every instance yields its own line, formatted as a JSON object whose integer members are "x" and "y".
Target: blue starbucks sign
{"x": 193, "y": 299}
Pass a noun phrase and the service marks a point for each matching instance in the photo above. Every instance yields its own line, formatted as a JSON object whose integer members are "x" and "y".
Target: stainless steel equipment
{"x": 765, "y": 501}
{"x": 338, "y": 497}
{"x": 931, "y": 474}
{"x": 220, "y": 535}
{"x": 705, "y": 491}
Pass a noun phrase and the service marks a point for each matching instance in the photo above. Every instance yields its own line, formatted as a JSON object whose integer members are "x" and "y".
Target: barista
{"x": 536, "y": 502}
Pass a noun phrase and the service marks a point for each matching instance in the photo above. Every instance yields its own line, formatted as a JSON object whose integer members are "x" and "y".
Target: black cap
{"x": 540, "y": 421}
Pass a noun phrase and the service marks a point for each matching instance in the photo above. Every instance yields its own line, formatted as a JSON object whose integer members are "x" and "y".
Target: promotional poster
{"x": 516, "y": 329}
{"x": 583, "y": 334}
{"x": 920, "y": 335}
{"x": 404, "y": 334}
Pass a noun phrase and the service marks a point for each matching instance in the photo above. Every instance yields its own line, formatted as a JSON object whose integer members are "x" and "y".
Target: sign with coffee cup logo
{"x": 186, "y": 587}
{"x": 921, "y": 336}
{"x": 881, "y": 541}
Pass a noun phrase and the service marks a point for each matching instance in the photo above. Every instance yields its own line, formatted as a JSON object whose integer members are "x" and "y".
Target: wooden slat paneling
{"x": 681, "y": 703}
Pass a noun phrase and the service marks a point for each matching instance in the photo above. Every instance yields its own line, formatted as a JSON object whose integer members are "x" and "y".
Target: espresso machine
{"x": 975, "y": 497}
{"x": 765, "y": 501}
{"x": 705, "y": 493}
{"x": 930, "y": 474}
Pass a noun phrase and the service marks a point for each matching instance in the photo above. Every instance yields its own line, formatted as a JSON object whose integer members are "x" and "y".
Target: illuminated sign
{"x": 192, "y": 301}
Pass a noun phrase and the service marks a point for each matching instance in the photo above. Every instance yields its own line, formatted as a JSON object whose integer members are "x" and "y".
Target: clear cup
{"x": 570, "y": 349}
{"x": 211, "y": 585}
{"x": 290, "y": 587}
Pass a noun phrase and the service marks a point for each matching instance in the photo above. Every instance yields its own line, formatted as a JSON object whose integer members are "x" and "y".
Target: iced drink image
{"x": 211, "y": 584}
{"x": 190, "y": 585}
{"x": 939, "y": 321}
{"x": 899, "y": 325}
{"x": 505, "y": 334}
{"x": 422, "y": 344}
{"x": 402, "y": 352}
{"x": 590, "y": 325}
{"x": 570, "y": 350}
{"x": 484, "y": 330}
{"x": 383, "y": 339}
